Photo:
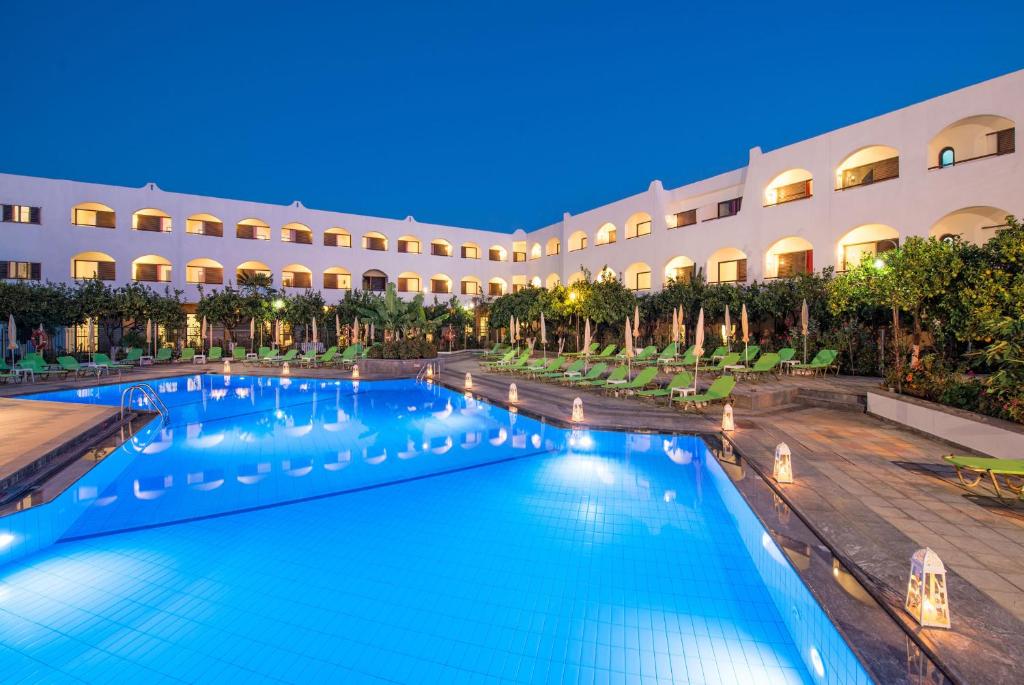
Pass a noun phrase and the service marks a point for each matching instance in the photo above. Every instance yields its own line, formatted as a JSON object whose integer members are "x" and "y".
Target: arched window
{"x": 947, "y": 157}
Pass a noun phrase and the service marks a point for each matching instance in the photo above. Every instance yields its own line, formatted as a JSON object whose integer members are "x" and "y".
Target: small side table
{"x": 252, "y": 356}
{"x": 145, "y": 360}
{"x": 24, "y": 373}
{"x": 733, "y": 367}
{"x": 789, "y": 365}
{"x": 199, "y": 359}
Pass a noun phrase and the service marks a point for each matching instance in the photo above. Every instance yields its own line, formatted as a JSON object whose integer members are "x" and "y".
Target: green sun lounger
{"x": 288, "y": 356}
{"x": 992, "y": 467}
{"x": 683, "y": 379}
{"x": 589, "y": 352}
{"x": 768, "y": 363}
{"x": 516, "y": 364}
{"x": 504, "y": 359}
{"x": 574, "y": 368}
{"x": 720, "y": 351}
{"x": 265, "y": 352}
{"x": 552, "y": 366}
{"x": 720, "y": 390}
{"x": 216, "y": 354}
{"x": 823, "y": 361}
{"x": 494, "y": 352}
{"x": 664, "y": 356}
{"x": 786, "y": 354}
{"x": 71, "y": 365}
{"x": 618, "y": 373}
{"x": 238, "y": 353}
{"x": 648, "y": 353}
{"x": 593, "y": 374}
{"x": 100, "y": 359}
{"x": 347, "y": 358}
{"x": 749, "y": 354}
{"x": 728, "y": 360}
{"x": 187, "y": 354}
{"x": 132, "y": 356}
{"x": 640, "y": 381}
{"x": 163, "y": 356}
{"x": 38, "y": 367}
{"x": 607, "y": 352}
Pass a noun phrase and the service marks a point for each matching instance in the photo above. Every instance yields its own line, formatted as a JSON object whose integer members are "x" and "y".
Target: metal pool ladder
{"x": 151, "y": 396}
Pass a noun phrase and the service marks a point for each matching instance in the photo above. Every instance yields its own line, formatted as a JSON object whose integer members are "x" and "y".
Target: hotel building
{"x": 946, "y": 166}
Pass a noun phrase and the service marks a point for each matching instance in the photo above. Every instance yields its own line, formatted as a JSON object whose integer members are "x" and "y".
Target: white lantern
{"x": 286, "y": 370}
{"x": 430, "y": 371}
{"x": 727, "y": 421}
{"x": 927, "y": 599}
{"x": 513, "y": 393}
{"x": 227, "y": 367}
{"x": 469, "y": 381}
{"x": 577, "y": 410}
{"x": 355, "y": 371}
{"x": 782, "y": 471}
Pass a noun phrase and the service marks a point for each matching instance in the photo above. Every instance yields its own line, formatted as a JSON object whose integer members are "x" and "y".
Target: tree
{"x": 229, "y": 308}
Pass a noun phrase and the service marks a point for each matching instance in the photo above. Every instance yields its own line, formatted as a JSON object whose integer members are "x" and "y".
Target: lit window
{"x": 947, "y": 157}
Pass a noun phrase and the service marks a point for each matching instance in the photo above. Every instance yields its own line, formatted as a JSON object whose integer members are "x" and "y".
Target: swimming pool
{"x": 297, "y": 530}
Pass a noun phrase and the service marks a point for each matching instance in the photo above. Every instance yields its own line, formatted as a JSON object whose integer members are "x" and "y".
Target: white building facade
{"x": 946, "y": 166}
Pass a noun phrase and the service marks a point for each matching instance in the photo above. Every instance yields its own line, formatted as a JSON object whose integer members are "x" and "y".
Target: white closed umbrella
{"x": 698, "y": 345}
{"x": 745, "y": 325}
{"x": 149, "y": 336}
{"x": 727, "y": 329}
{"x": 355, "y": 331}
{"x": 202, "y": 333}
{"x": 636, "y": 322}
{"x": 90, "y": 338}
{"x": 586, "y": 337}
{"x": 337, "y": 329}
{"x": 804, "y": 321}
{"x": 316, "y": 336}
{"x": 373, "y": 333}
{"x": 675, "y": 330}
{"x": 12, "y": 337}
{"x": 252, "y": 334}
{"x": 543, "y": 335}
{"x": 629, "y": 349}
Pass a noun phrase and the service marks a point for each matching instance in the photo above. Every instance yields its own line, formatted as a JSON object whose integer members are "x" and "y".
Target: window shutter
{"x": 330, "y": 280}
{"x": 214, "y": 275}
{"x": 741, "y": 270}
{"x": 105, "y": 219}
{"x": 34, "y": 215}
{"x": 245, "y": 231}
{"x": 5, "y": 269}
{"x": 37, "y": 271}
{"x": 810, "y": 261}
{"x": 8, "y": 212}
{"x": 105, "y": 271}
{"x": 1005, "y": 142}
{"x": 330, "y": 240}
{"x": 213, "y": 228}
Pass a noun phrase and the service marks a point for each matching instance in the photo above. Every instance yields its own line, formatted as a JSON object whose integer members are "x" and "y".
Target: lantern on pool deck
{"x": 782, "y": 471}
{"x": 577, "y": 410}
{"x": 227, "y": 367}
{"x": 513, "y": 393}
{"x": 286, "y": 370}
{"x": 430, "y": 371}
{"x": 927, "y": 599}
{"x": 727, "y": 421}
{"x": 355, "y": 371}
{"x": 469, "y": 381}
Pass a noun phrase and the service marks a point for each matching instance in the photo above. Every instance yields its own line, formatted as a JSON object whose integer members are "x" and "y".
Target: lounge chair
{"x": 100, "y": 359}
{"x": 216, "y": 354}
{"x": 730, "y": 359}
{"x": 749, "y": 354}
{"x": 639, "y": 382}
{"x": 980, "y": 467}
{"x": 593, "y": 374}
{"x": 38, "y": 367}
{"x": 71, "y": 365}
{"x": 163, "y": 356}
{"x": 553, "y": 366}
{"x": 187, "y": 354}
{"x": 665, "y": 355}
{"x": 720, "y": 390}
{"x": 516, "y": 364}
{"x": 308, "y": 357}
{"x": 683, "y": 379}
{"x": 238, "y": 353}
{"x": 720, "y": 351}
{"x": 287, "y": 357}
{"x": 506, "y": 358}
{"x": 618, "y": 373}
{"x": 265, "y": 352}
{"x": 133, "y": 356}
{"x": 585, "y": 353}
{"x": 768, "y": 363}
{"x": 327, "y": 358}
{"x": 607, "y": 352}
{"x": 347, "y": 358}
{"x": 823, "y": 361}
{"x": 494, "y": 352}
{"x": 573, "y": 369}
{"x": 787, "y": 353}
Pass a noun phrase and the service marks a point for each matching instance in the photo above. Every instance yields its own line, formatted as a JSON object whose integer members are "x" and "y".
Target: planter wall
{"x": 396, "y": 368}
{"x": 979, "y": 434}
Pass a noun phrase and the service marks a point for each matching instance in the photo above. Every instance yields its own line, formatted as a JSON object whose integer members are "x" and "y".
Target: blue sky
{"x": 494, "y": 115}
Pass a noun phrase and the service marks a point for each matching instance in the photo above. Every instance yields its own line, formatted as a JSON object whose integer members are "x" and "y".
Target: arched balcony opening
{"x": 441, "y": 248}
{"x": 296, "y": 233}
{"x": 727, "y": 265}
{"x": 252, "y": 269}
{"x": 410, "y": 282}
{"x": 204, "y": 224}
{"x": 98, "y": 265}
{"x": 606, "y": 235}
{"x": 93, "y": 214}
{"x": 375, "y": 241}
{"x": 519, "y": 251}
{"x": 606, "y": 274}
{"x": 978, "y": 137}
{"x": 536, "y": 282}
{"x": 151, "y": 268}
{"x": 252, "y": 229}
{"x": 471, "y": 285}
{"x": 519, "y": 283}
{"x": 409, "y": 244}
{"x": 496, "y": 287}
{"x": 152, "y": 220}
{"x": 868, "y": 165}
{"x": 867, "y": 241}
{"x": 337, "y": 237}
{"x": 536, "y": 251}
{"x": 337, "y": 278}
{"x": 553, "y": 247}
{"x": 638, "y": 277}
{"x": 789, "y": 257}
{"x": 497, "y": 253}
{"x": 679, "y": 269}
{"x": 578, "y": 241}
{"x": 204, "y": 271}
{"x": 639, "y": 225}
{"x": 971, "y": 224}
{"x": 375, "y": 281}
{"x": 553, "y": 281}
{"x": 470, "y": 251}
{"x": 577, "y": 277}
{"x": 441, "y": 284}
{"x": 789, "y": 186}
{"x": 296, "y": 276}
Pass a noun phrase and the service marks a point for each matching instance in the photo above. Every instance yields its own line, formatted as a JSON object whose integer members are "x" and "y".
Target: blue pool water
{"x": 300, "y": 530}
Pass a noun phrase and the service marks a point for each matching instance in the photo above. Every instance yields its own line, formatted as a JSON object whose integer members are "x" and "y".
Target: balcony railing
{"x": 441, "y": 250}
{"x": 1005, "y": 144}
{"x": 866, "y": 174}
{"x": 801, "y": 190}
{"x": 290, "y": 235}
{"x": 378, "y": 244}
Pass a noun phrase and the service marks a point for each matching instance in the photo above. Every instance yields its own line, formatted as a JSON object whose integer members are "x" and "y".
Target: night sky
{"x": 483, "y": 114}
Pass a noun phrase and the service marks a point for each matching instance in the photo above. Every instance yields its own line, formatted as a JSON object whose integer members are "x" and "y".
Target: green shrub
{"x": 407, "y": 348}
